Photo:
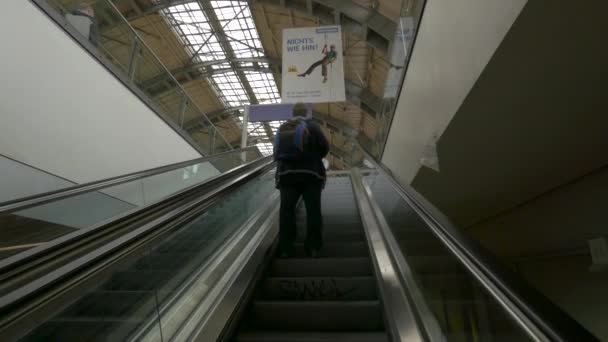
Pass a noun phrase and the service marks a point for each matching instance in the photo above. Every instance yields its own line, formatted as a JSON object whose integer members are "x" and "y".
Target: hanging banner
{"x": 313, "y": 67}
{"x": 273, "y": 112}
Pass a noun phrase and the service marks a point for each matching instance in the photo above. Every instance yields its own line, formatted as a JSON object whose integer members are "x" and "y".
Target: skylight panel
{"x": 194, "y": 29}
{"x": 235, "y": 19}
{"x": 264, "y": 87}
{"x": 231, "y": 89}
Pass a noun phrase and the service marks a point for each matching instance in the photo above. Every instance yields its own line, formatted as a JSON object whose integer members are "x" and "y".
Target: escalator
{"x": 297, "y": 296}
{"x": 201, "y": 264}
{"x": 123, "y": 302}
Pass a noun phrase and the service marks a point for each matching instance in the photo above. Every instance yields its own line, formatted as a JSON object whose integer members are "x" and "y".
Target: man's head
{"x": 332, "y": 47}
{"x": 300, "y": 110}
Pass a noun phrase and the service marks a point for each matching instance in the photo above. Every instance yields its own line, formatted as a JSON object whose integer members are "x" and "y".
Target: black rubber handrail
{"x": 55, "y": 195}
{"x": 548, "y": 318}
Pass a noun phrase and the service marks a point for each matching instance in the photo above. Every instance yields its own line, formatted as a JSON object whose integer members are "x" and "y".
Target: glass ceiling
{"x": 258, "y": 133}
{"x": 242, "y": 41}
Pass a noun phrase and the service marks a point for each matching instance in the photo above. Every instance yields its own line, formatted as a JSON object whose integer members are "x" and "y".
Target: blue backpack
{"x": 292, "y": 141}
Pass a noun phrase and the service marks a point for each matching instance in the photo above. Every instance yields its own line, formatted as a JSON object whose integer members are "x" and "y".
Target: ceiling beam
{"x": 188, "y": 76}
{"x": 155, "y": 8}
{"x": 371, "y": 19}
{"x": 355, "y": 93}
{"x": 379, "y": 24}
{"x": 222, "y": 38}
{"x": 333, "y": 124}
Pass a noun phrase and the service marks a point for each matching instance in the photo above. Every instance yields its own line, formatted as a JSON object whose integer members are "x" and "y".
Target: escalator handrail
{"x": 18, "y": 260}
{"x": 10, "y": 300}
{"x": 55, "y": 195}
{"x": 506, "y": 286}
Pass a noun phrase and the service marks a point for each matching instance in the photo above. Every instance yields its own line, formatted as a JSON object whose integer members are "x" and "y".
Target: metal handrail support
{"x": 404, "y": 321}
{"x": 425, "y": 317}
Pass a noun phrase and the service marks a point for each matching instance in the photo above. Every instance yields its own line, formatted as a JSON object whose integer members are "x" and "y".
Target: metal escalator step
{"x": 321, "y": 267}
{"x": 340, "y": 212}
{"x": 316, "y": 316}
{"x": 271, "y": 336}
{"x": 340, "y": 236}
{"x": 337, "y": 249}
{"x": 319, "y": 288}
{"x": 343, "y": 226}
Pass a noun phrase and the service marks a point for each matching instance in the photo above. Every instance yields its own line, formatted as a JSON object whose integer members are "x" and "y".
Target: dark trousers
{"x": 312, "y": 68}
{"x": 290, "y": 194}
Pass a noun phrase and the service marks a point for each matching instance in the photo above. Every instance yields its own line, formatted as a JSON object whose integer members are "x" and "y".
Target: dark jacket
{"x": 312, "y": 164}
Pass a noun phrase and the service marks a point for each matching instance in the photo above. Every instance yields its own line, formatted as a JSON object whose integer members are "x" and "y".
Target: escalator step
{"x": 316, "y": 316}
{"x": 335, "y": 236}
{"x": 319, "y": 288}
{"x": 271, "y": 336}
{"x": 321, "y": 267}
{"x": 339, "y": 226}
{"x": 337, "y": 249}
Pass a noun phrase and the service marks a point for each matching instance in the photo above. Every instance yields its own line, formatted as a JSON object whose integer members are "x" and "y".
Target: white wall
{"x": 63, "y": 112}
{"x": 456, "y": 39}
{"x": 534, "y": 120}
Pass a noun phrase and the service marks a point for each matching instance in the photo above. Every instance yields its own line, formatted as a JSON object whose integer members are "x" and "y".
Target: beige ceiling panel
{"x": 162, "y": 40}
{"x": 370, "y": 126}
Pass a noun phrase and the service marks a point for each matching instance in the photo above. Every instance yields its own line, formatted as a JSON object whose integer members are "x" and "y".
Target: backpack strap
{"x": 301, "y": 134}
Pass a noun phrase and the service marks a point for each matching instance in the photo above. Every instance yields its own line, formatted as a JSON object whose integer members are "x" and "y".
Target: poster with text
{"x": 313, "y": 65}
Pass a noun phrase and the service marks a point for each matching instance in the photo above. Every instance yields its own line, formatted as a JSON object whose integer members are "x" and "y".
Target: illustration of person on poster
{"x": 329, "y": 57}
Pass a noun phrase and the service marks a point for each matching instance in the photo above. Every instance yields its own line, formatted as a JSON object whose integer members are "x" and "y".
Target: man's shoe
{"x": 287, "y": 254}
{"x": 315, "y": 254}
{"x": 312, "y": 253}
